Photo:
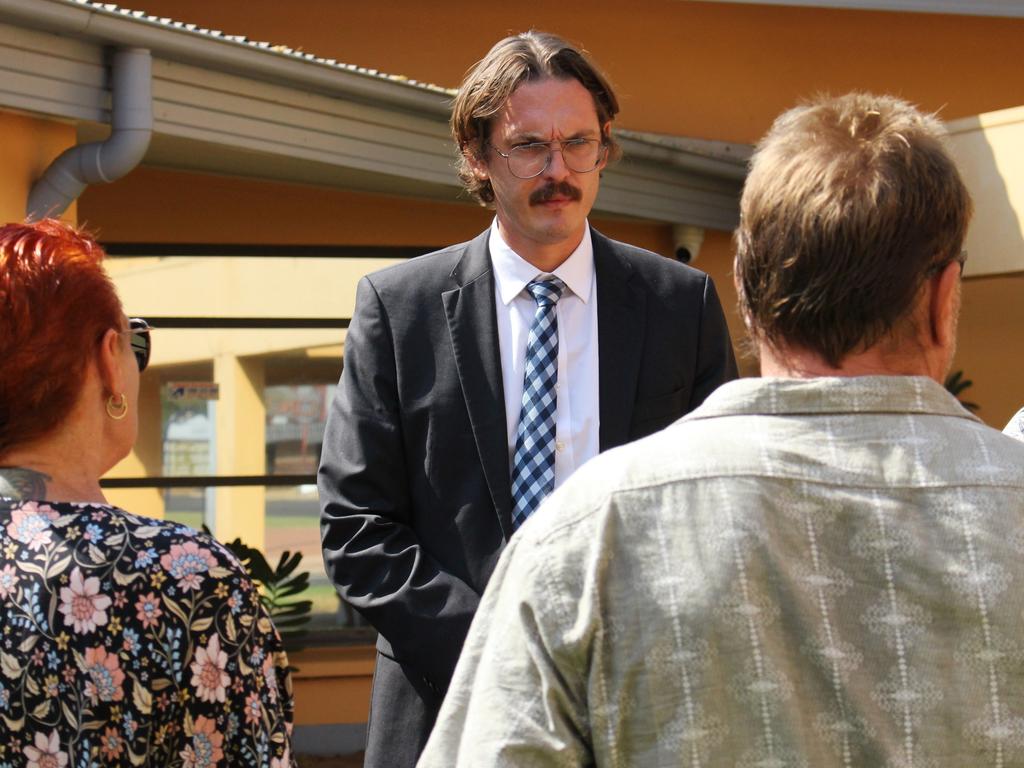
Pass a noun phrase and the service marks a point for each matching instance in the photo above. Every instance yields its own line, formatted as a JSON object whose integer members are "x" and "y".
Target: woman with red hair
{"x": 123, "y": 640}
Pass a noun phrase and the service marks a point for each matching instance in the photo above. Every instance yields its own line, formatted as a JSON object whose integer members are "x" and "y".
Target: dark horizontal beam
{"x": 166, "y": 321}
{"x": 142, "y": 250}
{"x": 207, "y": 481}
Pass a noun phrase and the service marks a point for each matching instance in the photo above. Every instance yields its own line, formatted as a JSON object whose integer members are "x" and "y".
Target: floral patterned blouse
{"x": 133, "y": 642}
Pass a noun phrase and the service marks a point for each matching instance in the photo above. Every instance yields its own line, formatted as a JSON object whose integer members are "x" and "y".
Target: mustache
{"x": 555, "y": 189}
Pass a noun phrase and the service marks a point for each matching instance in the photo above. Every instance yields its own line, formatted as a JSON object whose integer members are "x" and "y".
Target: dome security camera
{"x": 686, "y": 242}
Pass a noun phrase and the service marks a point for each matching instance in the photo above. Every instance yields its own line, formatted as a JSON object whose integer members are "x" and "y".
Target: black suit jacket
{"x": 414, "y": 477}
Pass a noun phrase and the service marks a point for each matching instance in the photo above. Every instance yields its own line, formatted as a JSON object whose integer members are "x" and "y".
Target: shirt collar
{"x": 512, "y": 272}
{"x": 830, "y": 395}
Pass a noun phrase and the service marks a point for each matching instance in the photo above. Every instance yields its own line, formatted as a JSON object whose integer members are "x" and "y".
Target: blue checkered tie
{"x": 533, "y": 463}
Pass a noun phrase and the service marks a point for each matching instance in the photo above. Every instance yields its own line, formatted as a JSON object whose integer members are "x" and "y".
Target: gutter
{"x": 131, "y": 121}
{"x": 717, "y": 159}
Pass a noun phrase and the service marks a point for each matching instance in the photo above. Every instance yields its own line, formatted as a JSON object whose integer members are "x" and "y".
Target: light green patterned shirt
{"x": 827, "y": 572}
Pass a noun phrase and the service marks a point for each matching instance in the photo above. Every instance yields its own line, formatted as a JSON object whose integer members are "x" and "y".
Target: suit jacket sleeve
{"x": 371, "y": 549}
{"x": 716, "y": 363}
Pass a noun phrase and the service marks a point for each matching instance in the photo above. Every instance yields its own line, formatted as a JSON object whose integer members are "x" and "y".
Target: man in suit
{"x": 477, "y": 378}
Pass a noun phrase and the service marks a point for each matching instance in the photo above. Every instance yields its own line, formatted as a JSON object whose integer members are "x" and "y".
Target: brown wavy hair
{"x": 850, "y": 204}
{"x": 491, "y": 81}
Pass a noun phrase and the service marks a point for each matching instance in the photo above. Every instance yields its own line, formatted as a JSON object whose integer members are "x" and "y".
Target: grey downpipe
{"x": 131, "y": 121}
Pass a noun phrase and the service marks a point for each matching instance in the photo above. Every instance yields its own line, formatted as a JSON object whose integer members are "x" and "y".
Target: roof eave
{"x": 240, "y": 109}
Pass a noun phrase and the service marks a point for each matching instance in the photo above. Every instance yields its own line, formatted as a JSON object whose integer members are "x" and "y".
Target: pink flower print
{"x": 45, "y": 752}
{"x": 82, "y": 604}
{"x": 205, "y": 750}
{"x": 148, "y": 610}
{"x": 30, "y": 524}
{"x": 8, "y": 581}
{"x": 252, "y": 708}
{"x": 111, "y": 745}
{"x": 270, "y": 676}
{"x": 105, "y": 676}
{"x": 208, "y": 675}
{"x": 187, "y": 563}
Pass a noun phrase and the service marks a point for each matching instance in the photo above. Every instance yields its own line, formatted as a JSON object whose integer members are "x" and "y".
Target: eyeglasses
{"x": 142, "y": 345}
{"x": 526, "y": 161}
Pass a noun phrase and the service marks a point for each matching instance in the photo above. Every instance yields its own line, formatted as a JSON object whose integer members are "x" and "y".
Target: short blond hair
{"x": 850, "y": 203}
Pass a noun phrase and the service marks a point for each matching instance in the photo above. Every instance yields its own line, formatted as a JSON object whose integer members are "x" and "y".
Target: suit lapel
{"x": 620, "y": 331}
{"x": 473, "y": 326}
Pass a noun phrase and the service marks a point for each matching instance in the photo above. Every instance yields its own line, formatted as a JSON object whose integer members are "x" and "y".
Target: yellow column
{"x": 146, "y": 458}
{"x": 241, "y": 448}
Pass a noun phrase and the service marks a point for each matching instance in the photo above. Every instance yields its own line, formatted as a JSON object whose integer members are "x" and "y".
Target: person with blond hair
{"x": 123, "y": 640}
{"x": 819, "y": 567}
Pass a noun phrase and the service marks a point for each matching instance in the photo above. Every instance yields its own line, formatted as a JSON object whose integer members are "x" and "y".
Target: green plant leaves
{"x": 955, "y": 384}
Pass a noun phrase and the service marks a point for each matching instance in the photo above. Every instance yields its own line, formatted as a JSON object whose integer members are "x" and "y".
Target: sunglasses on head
{"x": 140, "y": 340}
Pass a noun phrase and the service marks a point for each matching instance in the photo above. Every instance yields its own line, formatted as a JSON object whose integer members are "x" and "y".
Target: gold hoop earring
{"x": 117, "y": 411}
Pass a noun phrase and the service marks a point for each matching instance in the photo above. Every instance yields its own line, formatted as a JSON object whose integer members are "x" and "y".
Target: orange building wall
{"x": 707, "y": 70}
{"x": 156, "y": 206}
{"x": 28, "y": 146}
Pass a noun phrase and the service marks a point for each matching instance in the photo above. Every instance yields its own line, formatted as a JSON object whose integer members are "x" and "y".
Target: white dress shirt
{"x": 576, "y": 417}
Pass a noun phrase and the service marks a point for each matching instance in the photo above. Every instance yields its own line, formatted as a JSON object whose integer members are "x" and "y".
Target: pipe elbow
{"x": 106, "y": 161}
{"x": 121, "y": 153}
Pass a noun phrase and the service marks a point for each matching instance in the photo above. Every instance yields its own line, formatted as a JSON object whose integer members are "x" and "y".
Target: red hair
{"x": 56, "y": 302}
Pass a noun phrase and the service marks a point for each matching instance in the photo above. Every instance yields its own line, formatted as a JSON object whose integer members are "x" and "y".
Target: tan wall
{"x": 720, "y": 71}
{"x": 989, "y": 149}
{"x": 27, "y": 147}
{"x": 990, "y": 343}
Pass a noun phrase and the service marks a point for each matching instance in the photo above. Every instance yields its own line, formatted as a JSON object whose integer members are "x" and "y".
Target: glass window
{"x": 246, "y": 358}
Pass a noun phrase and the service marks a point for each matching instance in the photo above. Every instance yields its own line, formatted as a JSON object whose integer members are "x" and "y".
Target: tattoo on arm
{"x": 21, "y": 484}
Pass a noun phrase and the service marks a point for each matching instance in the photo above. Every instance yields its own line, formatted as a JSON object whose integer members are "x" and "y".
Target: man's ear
{"x": 473, "y": 152}
{"x": 944, "y": 305}
{"x": 110, "y": 362}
